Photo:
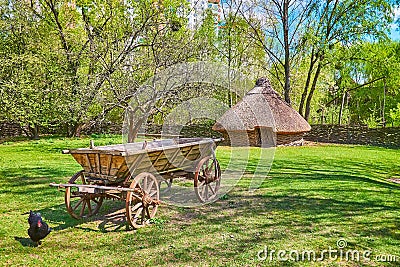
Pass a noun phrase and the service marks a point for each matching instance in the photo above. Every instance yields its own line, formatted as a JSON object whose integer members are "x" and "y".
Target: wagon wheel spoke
{"x": 141, "y": 189}
{"x": 150, "y": 186}
{"x": 76, "y": 202}
{"x": 83, "y": 208}
{"x": 89, "y": 207}
{"x": 144, "y": 184}
{"x": 207, "y": 179}
{"x": 203, "y": 189}
{"x": 212, "y": 190}
{"x": 204, "y": 172}
{"x": 143, "y": 215}
{"x": 137, "y": 214}
{"x": 148, "y": 212}
{"x": 136, "y": 206}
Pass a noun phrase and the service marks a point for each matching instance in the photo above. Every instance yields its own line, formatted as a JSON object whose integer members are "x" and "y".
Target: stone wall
{"x": 8, "y": 129}
{"x": 358, "y": 134}
{"x": 288, "y": 139}
{"x": 185, "y": 131}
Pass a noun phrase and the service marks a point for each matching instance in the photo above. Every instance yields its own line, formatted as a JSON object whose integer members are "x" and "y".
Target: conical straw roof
{"x": 262, "y": 107}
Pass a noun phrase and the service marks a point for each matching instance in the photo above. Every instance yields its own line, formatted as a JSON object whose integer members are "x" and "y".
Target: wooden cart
{"x": 133, "y": 172}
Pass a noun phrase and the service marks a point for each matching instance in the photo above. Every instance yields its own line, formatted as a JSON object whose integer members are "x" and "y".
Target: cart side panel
{"x": 113, "y": 168}
{"x": 105, "y": 164}
{"x": 83, "y": 160}
{"x": 119, "y": 168}
{"x": 99, "y": 164}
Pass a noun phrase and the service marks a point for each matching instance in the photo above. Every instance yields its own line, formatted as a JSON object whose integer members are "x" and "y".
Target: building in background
{"x": 198, "y": 11}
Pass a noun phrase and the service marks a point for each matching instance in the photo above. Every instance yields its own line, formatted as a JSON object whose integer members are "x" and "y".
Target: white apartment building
{"x": 198, "y": 8}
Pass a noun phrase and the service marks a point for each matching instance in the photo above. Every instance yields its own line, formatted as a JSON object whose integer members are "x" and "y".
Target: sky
{"x": 395, "y": 33}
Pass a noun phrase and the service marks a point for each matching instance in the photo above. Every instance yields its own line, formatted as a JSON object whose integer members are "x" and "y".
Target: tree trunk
{"x": 384, "y": 104}
{"x": 33, "y": 132}
{"x": 307, "y": 85}
{"x": 341, "y": 108}
{"x": 78, "y": 129}
{"x": 134, "y": 126}
{"x": 312, "y": 90}
{"x": 285, "y": 21}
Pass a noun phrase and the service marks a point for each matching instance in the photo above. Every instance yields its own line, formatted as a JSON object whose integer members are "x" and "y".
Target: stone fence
{"x": 8, "y": 129}
{"x": 358, "y": 134}
{"x": 196, "y": 130}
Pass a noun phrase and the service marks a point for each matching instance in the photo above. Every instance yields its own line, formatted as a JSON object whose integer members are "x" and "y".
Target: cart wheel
{"x": 207, "y": 179}
{"x": 142, "y": 204}
{"x": 81, "y": 204}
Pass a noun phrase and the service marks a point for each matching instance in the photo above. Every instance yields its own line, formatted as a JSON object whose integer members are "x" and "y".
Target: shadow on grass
{"x": 26, "y": 242}
{"x": 110, "y": 218}
{"x": 337, "y": 169}
{"x": 30, "y": 175}
{"x": 309, "y": 201}
{"x": 245, "y": 223}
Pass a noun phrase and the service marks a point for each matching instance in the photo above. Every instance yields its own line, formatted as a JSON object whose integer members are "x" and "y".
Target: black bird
{"x": 38, "y": 229}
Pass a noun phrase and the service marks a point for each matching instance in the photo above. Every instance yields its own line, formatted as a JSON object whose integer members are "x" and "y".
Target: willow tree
{"x": 340, "y": 22}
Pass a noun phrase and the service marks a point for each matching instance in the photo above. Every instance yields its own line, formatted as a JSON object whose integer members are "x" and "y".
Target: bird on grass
{"x": 38, "y": 229}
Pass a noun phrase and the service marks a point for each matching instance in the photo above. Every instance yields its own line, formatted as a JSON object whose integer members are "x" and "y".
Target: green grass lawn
{"x": 312, "y": 197}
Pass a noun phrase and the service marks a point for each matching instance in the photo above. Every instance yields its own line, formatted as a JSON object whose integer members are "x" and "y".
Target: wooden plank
{"x": 161, "y": 156}
{"x": 184, "y": 158}
{"x": 101, "y": 187}
{"x": 97, "y": 162}
{"x": 104, "y": 163}
{"x": 89, "y": 163}
{"x": 134, "y": 165}
{"x": 110, "y": 157}
{"x": 175, "y": 154}
{"x": 100, "y": 176}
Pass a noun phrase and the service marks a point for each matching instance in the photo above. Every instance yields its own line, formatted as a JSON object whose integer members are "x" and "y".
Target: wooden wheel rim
{"x": 87, "y": 205}
{"x": 138, "y": 214}
{"x": 207, "y": 179}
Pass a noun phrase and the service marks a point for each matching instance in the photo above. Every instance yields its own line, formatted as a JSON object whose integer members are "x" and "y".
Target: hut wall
{"x": 239, "y": 138}
{"x": 267, "y": 137}
{"x": 259, "y": 137}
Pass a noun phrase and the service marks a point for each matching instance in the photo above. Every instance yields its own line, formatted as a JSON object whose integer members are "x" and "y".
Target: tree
{"x": 340, "y": 22}
{"x": 279, "y": 26}
{"x": 29, "y": 81}
{"x": 236, "y": 48}
{"x": 91, "y": 46}
{"x": 366, "y": 82}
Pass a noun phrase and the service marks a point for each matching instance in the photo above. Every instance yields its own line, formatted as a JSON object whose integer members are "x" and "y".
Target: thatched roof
{"x": 262, "y": 107}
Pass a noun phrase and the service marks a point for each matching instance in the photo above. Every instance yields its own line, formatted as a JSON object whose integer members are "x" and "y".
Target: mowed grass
{"x": 313, "y": 196}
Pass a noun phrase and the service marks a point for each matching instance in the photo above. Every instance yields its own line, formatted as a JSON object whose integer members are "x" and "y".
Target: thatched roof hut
{"x": 264, "y": 116}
